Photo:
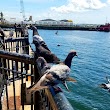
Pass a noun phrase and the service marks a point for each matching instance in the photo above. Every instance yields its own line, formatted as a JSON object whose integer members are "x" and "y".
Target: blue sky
{"x": 80, "y": 11}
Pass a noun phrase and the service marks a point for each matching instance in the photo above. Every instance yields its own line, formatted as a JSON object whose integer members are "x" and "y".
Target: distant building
{"x": 54, "y": 22}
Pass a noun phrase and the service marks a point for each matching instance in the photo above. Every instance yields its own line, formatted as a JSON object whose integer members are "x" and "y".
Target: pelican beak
{"x": 71, "y": 79}
{"x": 65, "y": 84}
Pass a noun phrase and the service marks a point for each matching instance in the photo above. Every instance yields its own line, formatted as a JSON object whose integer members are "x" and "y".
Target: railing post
{"x": 37, "y": 96}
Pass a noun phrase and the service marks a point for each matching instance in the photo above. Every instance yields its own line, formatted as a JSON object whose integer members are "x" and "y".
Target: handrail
{"x": 16, "y": 39}
{"x": 12, "y": 73}
{"x": 17, "y": 57}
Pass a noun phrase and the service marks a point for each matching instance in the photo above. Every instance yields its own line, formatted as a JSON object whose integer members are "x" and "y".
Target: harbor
{"x": 54, "y": 55}
{"x": 89, "y": 69}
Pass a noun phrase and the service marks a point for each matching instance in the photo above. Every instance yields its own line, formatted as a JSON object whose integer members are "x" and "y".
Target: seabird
{"x": 38, "y": 39}
{"x": 43, "y": 65}
{"x": 24, "y": 31}
{"x": 56, "y": 32}
{"x": 58, "y": 45}
{"x": 42, "y": 49}
{"x": 55, "y": 74}
{"x": 106, "y": 85}
{"x": 2, "y": 34}
{"x": 2, "y": 37}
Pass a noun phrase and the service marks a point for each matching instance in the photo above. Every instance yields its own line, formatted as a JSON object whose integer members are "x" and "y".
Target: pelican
{"x": 55, "y": 74}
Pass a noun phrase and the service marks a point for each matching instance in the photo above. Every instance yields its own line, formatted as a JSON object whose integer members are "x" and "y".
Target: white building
{"x": 54, "y": 22}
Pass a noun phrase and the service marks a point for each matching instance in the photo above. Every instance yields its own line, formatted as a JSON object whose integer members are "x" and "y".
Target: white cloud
{"x": 108, "y": 1}
{"x": 79, "y": 6}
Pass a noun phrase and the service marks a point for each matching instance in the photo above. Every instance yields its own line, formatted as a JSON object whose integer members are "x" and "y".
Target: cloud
{"x": 108, "y": 2}
{"x": 79, "y": 6}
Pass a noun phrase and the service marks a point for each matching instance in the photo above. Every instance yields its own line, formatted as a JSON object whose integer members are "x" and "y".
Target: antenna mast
{"x": 22, "y": 9}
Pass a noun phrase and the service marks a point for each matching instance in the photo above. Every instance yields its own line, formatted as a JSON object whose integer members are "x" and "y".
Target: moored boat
{"x": 105, "y": 28}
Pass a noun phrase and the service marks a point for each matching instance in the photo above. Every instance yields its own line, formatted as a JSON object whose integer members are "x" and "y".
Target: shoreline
{"x": 58, "y": 27}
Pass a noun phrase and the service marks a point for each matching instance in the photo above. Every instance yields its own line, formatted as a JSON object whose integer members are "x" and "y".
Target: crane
{"x": 22, "y": 9}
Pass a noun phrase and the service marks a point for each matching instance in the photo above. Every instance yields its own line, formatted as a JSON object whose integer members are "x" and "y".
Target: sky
{"x": 79, "y": 11}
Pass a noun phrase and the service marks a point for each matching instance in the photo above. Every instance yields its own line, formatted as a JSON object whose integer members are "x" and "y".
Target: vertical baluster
{"x": 5, "y": 78}
{"x": 17, "y": 47}
{"x": 16, "y": 64}
{"x": 6, "y": 46}
{"x": 8, "y": 66}
{"x": 22, "y": 96}
{"x": 14, "y": 87}
{"x": 11, "y": 46}
{"x": 31, "y": 84}
{"x": 7, "y": 97}
{"x": 21, "y": 50}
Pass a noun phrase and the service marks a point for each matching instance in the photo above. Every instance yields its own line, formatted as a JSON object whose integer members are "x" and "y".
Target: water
{"x": 89, "y": 69}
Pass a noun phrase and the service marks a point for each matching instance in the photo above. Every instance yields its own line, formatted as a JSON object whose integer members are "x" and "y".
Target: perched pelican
{"x": 55, "y": 74}
{"x": 42, "y": 49}
{"x": 106, "y": 85}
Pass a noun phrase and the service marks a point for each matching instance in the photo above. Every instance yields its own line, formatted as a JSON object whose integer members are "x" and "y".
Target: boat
{"x": 105, "y": 27}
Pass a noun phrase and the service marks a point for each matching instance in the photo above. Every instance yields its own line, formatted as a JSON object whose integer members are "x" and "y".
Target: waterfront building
{"x": 54, "y": 22}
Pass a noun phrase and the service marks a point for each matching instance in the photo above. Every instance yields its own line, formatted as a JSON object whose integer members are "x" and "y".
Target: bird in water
{"x": 56, "y": 74}
{"x": 42, "y": 49}
{"x": 56, "y": 32}
{"x": 106, "y": 85}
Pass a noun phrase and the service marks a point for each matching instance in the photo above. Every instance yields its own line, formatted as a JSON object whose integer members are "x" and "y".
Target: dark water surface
{"x": 89, "y": 69}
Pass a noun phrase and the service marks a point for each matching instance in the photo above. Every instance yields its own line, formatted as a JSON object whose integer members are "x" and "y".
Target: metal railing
{"x": 15, "y": 66}
{"x": 18, "y": 65}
